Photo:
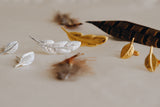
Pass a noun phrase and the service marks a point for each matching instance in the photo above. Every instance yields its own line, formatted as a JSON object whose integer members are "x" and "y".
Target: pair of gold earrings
{"x": 151, "y": 62}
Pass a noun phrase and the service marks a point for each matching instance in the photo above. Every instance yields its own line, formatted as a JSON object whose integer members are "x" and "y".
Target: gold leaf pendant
{"x": 86, "y": 40}
{"x": 151, "y": 62}
{"x": 128, "y": 51}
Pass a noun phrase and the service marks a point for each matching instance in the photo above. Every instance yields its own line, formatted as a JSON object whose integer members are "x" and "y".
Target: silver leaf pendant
{"x": 26, "y": 59}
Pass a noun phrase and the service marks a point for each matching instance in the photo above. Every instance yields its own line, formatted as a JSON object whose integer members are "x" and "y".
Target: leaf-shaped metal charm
{"x": 10, "y": 48}
{"x": 68, "y": 47}
{"x": 60, "y": 47}
{"x": 73, "y": 45}
{"x": 46, "y": 45}
{"x": 151, "y": 62}
{"x": 44, "y": 42}
{"x": 62, "y": 51}
{"x": 128, "y": 51}
{"x": 26, "y": 59}
{"x": 86, "y": 40}
{"x": 60, "y": 44}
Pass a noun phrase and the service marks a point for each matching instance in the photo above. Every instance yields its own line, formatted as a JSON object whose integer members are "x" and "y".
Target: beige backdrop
{"x": 115, "y": 82}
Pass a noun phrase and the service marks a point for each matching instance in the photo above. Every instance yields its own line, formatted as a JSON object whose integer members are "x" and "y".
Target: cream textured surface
{"x": 115, "y": 82}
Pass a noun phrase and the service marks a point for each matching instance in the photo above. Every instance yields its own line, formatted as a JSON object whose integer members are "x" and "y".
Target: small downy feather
{"x": 26, "y": 59}
{"x": 70, "y": 67}
{"x": 10, "y": 48}
{"x": 66, "y": 20}
{"x": 61, "y": 47}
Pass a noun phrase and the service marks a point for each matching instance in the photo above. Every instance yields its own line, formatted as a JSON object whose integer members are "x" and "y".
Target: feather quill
{"x": 70, "y": 67}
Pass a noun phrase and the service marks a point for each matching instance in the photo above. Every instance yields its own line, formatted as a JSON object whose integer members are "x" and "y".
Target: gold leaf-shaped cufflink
{"x": 86, "y": 40}
{"x": 128, "y": 51}
{"x": 151, "y": 62}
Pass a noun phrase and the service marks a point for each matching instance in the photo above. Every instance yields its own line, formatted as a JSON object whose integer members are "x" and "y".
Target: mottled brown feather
{"x": 66, "y": 20}
{"x": 127, "y": 30}
{"x": 70, "y": 68}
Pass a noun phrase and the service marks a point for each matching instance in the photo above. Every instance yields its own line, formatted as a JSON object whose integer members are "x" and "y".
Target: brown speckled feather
{"x": 70, "y": 67}
{"x": 127, "y": 30}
